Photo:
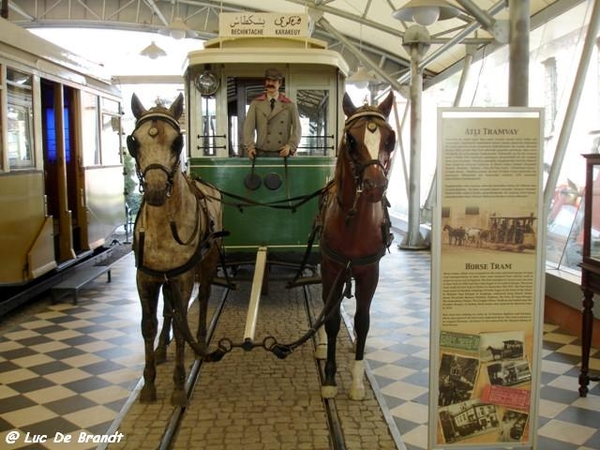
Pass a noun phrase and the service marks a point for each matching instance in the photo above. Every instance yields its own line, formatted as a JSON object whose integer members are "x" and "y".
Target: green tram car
{"x": 221, "y": 81}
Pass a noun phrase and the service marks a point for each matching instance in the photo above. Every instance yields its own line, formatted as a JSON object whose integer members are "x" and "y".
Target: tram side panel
{"x": 26, "y": 238}
{"x": 281, "y": 184}
{"x": 105, "y": 207}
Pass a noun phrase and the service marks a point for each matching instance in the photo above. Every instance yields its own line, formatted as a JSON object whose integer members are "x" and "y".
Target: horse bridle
{"x": 133, "y": 146}
{"x": 358, "y": 169}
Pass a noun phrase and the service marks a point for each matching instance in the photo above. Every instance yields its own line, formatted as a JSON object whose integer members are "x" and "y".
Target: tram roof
{"x": 55, "y": 59}
{"x": 249, "y": 50}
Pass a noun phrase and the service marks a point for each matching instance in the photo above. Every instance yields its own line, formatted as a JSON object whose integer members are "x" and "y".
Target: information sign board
{"x": 487, "y": 279}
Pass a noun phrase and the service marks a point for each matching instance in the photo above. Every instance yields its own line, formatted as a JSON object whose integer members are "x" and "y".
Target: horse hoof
{"x": 328, "y": 391}
{"x": 178, "y": 398}
{"x": 148, "y": 394}
{"x": 321, "y": 351}
{"x": 356, "y": 394}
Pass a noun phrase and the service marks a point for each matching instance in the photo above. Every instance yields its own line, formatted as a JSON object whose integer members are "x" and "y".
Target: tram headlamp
{"x": 207, "y": 83}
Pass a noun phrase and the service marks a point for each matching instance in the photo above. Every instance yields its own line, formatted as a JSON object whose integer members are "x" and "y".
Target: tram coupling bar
{"x": 257, "y": 284}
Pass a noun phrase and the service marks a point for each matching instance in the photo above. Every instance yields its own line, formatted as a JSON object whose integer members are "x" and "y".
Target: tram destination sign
{"x": 263, "y": 25}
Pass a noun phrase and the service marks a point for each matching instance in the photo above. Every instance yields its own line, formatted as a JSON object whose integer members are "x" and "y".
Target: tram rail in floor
{"x": 253, "y": 400}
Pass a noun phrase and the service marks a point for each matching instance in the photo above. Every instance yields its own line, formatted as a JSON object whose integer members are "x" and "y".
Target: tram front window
{"x": 313, "y": 106}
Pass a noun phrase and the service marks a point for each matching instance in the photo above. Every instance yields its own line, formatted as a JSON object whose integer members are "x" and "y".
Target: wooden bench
{"x": 79, "y": 279}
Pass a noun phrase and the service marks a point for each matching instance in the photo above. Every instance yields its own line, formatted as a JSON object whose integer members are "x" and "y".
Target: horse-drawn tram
{"x": 270, "y": 201}
{"x": 244, "y": 221}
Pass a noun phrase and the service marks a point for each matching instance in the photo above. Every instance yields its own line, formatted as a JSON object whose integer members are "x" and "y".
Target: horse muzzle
{"x": 155, "y": 197}
{"x": 155, "y": 184}
{"x": 373, "y": 190}
{"x": 156, "y": 193}
{"x": 374, "y": 182}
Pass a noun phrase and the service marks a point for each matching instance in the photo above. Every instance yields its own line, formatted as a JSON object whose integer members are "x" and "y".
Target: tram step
{"x": 79, "y": 279}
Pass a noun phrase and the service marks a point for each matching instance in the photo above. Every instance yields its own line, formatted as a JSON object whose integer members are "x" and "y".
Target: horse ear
{"x": 349, "y": 108}
{"x": 136, "y": 106}
{"x": 177, "y": 107}
{"x": 386, "y": 106}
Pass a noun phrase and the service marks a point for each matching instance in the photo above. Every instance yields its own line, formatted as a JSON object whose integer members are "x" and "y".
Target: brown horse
{"x": 175, "y": 240}
{"x": 355, "y": 228}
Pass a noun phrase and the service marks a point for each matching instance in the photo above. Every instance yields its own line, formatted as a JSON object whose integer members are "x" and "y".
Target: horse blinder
{"x": 132, "y": 145}
{"x": 177, "y": 144}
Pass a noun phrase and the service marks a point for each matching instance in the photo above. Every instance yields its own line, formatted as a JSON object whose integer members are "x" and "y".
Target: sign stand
{"x": 487, "y": 279}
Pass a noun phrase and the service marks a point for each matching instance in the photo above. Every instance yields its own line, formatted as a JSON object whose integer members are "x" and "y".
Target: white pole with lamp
{"x": 417, "y": 41}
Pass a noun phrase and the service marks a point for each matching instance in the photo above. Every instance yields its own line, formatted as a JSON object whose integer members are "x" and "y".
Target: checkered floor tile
{"x": 398, "y": 356}
{"x": 71, "y": 368}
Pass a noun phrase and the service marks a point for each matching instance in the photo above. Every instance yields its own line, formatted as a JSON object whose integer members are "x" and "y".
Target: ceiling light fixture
{"x": 362, "y": 78}
{"x": 178, "y": 29}
{"x": 426, "y": 12}
{"x": 153, "y": 51}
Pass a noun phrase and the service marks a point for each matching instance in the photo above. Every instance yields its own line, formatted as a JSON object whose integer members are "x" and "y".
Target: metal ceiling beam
{"x": 498, "y": 29}
{"x": 157, "y": 12}
{"x": 349, "y": 16}
{"x": 551, "y": 12}
{"x": 197, "y": 16}
{"x": 18, "y": 10}
{"x": 323, "y": 22}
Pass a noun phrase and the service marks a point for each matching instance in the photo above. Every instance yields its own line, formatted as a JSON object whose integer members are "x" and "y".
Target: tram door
{"x": 60, "y": 166}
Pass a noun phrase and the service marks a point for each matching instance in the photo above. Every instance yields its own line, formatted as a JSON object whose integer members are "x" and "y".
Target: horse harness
{"x": 205, "y": 242}
{"x": 358, "y": 172}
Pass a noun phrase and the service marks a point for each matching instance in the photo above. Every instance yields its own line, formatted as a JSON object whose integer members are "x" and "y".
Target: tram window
{"x": 19, "y": 119}
{"x": 109, "y": 139}
{"x": 313, "y": 106}
{"x": 90, "y": 137}
{"x": 50, "y": 132}
{"x": 209, "y": 141}
{"x": 241, "y": 92}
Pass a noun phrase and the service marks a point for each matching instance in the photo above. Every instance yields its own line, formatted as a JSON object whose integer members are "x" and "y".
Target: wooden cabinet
{"x": 590, "y": 265}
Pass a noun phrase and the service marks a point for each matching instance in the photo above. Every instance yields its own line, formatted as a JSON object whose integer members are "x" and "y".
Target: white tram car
{"x": 61, "y": 171}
